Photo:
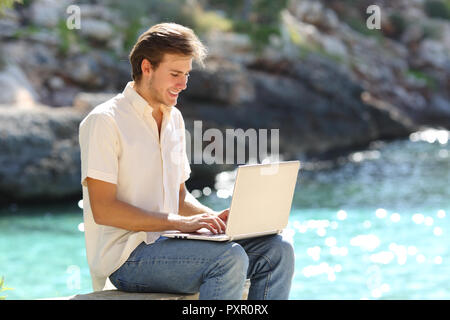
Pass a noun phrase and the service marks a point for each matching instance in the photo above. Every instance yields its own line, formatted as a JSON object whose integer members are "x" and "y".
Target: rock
{"x": 319, "y": 114}
{"x": 85, "y": 70}
{"x": 334, "y": 46}
{"x": 37, "y": 58}
{"x": 414, "y": 13}
{"x": 441, "y": 104}
{"x": 97, "y": 71}
{"x": 308, "y": 36}
{"x": 445, "y": 36}
{"x": 314, "y": 12}
{"x": 100, "y": 12}
{"x": 433, "y": 53}
{"x": 438, "y": 113}
{"x": 319, "y": 79}
{"x": 9, "y": 22}
{"x": 46, "y": 37}
{"x": 299, "y": 32}
{"x": 114, "y": 294}
{"x": 63, "y": 97}
{"x": 56, "y": 83}
{"x": 122, "y": 295}
{"x": 235, "y": 47}
{"x": 413, "y": 34}
{"x": 97, "y": 30}
{"x": 39, "y": 154}
{"x": 391, "y": 120}
{"x": 48, "y": 13}
{"x": 38, "y": 62}
{"x": 222, "y": 82}
{"x": 300, "y": 99}
{"x": 16, "y": 88}
{"x": 84, "y": 102}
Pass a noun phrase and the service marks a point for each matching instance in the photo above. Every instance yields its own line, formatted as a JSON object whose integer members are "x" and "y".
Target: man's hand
{"x": 213, "y": 221}
{"x": 223, "y": 215}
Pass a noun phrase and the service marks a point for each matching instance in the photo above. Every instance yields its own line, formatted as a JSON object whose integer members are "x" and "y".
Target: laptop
{"x": 260, "y": 205}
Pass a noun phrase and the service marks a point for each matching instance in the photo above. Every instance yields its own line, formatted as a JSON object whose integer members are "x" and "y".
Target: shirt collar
{"x": 139, "y": 103}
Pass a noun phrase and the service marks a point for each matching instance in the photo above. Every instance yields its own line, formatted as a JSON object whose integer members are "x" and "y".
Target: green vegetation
{"x": 26, "y": 31}
{"x": 203, "y": 21}
{"x": 140, "y": 15}
{"x": 66, "y": 36}
{"x": 259, "y": 19}
{"x": 3, "y": 287}
{"x": 70, "y": 37}
{"x": 7, "y": 4}
{"x": 307, "y": 47}
{"x": 438, "y": 9}
{"x": 131, "y": 33}
{"x": 429, "y": 81}
{"x": 359, "y": 25}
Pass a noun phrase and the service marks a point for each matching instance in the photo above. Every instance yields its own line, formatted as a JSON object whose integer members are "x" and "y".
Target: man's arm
{"x": 188, "y": 206}
{"x": 108, "y": 210}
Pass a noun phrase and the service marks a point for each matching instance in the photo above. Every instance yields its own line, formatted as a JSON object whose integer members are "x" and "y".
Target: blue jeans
{"x": 217, "y": 270}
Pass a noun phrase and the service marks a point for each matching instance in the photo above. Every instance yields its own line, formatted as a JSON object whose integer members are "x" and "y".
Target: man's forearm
{"x": 109, "y": 211}
{"x": 125, "y": 216}
{"x": 190, "y": 206}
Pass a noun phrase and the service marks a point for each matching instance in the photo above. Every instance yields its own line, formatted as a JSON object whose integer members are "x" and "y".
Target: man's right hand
{"x": 211, "y": 221}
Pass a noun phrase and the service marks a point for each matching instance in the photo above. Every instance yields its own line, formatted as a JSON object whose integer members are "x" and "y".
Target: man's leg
{"x": 271, "y": 267}
{"x": 217, "y": 270}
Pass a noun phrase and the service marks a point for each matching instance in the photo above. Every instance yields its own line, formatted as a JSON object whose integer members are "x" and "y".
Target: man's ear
{"x": 146, "y": 67}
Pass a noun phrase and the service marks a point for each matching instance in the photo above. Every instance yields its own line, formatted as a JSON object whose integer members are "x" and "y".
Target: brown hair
{"x": 165, "y": 38}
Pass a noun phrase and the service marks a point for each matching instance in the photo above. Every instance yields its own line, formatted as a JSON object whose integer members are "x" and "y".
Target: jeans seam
{"x": 266, "y": 289}
{"x": 155, "y": 260}
{"x": 220, "y": 270}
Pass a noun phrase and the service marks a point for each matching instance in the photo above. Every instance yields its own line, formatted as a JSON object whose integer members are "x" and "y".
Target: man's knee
{"x": 231, "y": 265}
{"x": 284, "y": 251}
{"x": 287, "y": 250}
{"x": 237, "y": 258}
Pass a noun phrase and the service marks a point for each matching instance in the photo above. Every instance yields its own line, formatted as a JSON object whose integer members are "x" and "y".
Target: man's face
{"x": 166, "y": 82}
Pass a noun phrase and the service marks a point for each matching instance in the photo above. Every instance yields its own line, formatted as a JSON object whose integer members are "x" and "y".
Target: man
{"x": 134, "y": 168}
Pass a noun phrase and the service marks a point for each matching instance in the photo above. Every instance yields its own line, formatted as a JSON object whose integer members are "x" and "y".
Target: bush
{"x": 7, "y": 4}
{"x": 399, "y": 24}
{"x": 3, "y": 287}
{"x": 438, "y": 9}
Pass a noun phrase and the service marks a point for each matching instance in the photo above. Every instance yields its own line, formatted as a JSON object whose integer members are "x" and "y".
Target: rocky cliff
{"x": 320, "y": 76}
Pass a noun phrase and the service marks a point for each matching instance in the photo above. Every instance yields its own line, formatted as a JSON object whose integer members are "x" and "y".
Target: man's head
{"x": 161, "y": 60}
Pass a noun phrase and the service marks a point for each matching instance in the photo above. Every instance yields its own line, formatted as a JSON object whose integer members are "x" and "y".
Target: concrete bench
{"x": 114, "y": 294}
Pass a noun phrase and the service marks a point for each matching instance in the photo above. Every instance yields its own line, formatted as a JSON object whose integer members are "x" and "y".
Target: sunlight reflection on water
{"x": 392, "y": 251}
{"x": 376, "y": 227}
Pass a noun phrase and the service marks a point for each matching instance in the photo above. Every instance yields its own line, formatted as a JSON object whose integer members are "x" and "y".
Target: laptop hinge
{"x": 253, "y": 234}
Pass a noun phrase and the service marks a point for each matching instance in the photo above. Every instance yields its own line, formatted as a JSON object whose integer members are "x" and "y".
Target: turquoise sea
{"x": 377, "y": 226}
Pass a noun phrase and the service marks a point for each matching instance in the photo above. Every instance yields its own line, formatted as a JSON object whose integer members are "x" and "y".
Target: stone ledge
{"x": 122, "y": 295}
{"x": 115, "y": 294}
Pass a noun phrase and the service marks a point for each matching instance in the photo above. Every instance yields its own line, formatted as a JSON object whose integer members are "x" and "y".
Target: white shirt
{"x": 120, "y": 144}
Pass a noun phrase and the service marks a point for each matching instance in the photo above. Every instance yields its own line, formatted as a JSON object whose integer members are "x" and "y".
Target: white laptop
{"x": 261, "y": 203}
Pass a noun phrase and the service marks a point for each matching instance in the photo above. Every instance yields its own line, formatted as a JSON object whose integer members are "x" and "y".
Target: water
{"x": 377, "y": 227}
{"x": 42, "y": 252}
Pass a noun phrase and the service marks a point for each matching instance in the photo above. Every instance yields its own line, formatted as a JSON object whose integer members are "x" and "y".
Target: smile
{"x": 173, "y": 93}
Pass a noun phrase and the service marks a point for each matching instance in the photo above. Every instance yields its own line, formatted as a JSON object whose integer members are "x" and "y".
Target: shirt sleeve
{"x": 99, "y": 146}
{"x": 186, "y": 169}
{"x": 185, "y": 166}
